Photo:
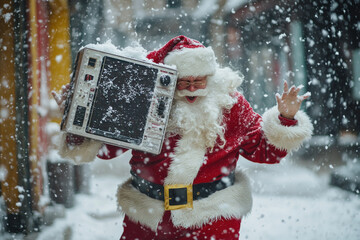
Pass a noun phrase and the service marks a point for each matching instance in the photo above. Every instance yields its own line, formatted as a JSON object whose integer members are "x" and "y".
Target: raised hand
{"x": 289, "y": 102}
{"x": 61, "y": 97}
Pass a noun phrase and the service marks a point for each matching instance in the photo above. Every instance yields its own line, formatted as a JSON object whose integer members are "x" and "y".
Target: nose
{"x": 192, "y": 88}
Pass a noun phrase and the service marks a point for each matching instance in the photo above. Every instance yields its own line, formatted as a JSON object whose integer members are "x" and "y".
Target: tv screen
{"x": 122, "y": 100}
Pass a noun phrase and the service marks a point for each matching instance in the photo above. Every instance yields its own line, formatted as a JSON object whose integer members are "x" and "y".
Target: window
{"x": 174, "y": 3}
{"x": 356, "y": 72}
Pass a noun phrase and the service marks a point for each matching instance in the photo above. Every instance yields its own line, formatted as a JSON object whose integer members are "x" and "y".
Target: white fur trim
{"x": 185, "y": 165}
{"x": 232, "y": 202}
{"x": 192, "y": 61}
{"x": 83, "y": 153}
{"x": 225, "y": 81}
{"x": 139, "y": 207}
{"x": 283, "y": 137}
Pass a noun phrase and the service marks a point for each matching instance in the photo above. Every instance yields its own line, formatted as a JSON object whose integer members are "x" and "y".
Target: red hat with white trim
{"x": 190, "y": 57}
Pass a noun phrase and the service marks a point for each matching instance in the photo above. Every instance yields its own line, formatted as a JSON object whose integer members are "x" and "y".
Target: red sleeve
{"x": 253, "y": 143}
{"x": 287, "y": 122}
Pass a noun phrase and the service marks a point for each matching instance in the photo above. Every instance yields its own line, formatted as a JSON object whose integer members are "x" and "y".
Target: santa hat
{"x": 190, "y": 57}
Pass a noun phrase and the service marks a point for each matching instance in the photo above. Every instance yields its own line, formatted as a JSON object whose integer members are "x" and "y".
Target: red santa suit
{"x": 206, "y": 153}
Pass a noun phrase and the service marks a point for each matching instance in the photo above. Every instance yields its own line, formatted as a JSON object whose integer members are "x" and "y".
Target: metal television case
{"x": 119, "y": 100}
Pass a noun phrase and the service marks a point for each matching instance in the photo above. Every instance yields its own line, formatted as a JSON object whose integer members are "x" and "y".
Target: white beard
{"x": 198, "y": 93}
{"x": 203, "y": 119}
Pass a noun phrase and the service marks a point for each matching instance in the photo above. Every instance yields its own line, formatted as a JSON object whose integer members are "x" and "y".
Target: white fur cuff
{"x": 283, "y": 137}
{"x": 83, "y": 153}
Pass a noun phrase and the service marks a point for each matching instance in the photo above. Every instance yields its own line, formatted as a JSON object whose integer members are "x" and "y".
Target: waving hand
{"x": 289, "y": 102}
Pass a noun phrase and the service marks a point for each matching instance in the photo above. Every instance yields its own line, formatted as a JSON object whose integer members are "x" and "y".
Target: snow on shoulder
{"x": 136, "y": 51}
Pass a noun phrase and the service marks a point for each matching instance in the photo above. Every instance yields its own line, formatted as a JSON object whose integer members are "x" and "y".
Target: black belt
{"x": 180, "y": 196}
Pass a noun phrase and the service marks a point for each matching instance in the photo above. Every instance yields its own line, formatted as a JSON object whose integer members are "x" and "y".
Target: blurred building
{"x": 148, "y": 22}
{"x": 314, "y": 43}
{"x": 35, "y": 57}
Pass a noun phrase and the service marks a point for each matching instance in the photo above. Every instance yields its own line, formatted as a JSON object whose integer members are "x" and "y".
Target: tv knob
{"x": 165, "y": 80}
{"x": 161, "y": 108}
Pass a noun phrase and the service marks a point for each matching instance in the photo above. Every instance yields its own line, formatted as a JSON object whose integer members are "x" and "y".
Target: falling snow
{"x": 314, "y": 44}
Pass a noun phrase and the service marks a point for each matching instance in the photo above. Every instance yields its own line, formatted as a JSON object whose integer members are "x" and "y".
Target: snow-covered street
{"x": 291, "y": 201}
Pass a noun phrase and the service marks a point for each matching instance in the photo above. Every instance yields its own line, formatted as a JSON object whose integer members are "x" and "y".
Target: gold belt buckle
{"x": 189, "y": 194}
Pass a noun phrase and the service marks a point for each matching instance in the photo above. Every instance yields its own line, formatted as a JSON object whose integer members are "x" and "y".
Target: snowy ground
{"x": 291, "y": 201}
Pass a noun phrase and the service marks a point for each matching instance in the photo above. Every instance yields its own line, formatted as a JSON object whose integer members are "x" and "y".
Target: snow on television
{"x": 119, "y": 100}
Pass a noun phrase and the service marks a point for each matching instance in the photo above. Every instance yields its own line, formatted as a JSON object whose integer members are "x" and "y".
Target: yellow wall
{"x": 60, "y": 63}
{"x": 60, "y": 51}
{"x": 34, "y": 102}
{"x": 8, "y": 158}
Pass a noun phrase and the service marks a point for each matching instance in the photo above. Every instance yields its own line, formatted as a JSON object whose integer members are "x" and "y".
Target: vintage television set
{"x": 119, "y": 100}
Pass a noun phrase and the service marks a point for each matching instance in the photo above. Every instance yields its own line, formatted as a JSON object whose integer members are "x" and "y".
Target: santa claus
{"x": 192, "y": 190}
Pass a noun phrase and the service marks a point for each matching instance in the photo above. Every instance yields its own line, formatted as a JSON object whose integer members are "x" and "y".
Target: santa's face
{"x": 191, "y": 88}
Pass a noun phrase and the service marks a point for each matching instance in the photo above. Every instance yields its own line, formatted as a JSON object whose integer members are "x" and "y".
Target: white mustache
{"x": 197, "y": 93}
